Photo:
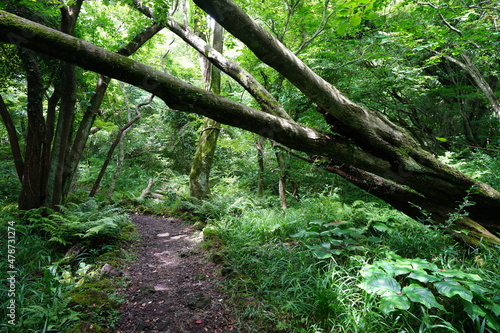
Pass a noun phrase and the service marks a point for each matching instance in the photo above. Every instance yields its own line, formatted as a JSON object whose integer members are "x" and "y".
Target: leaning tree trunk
{"x": 406, "y": 162}
{"x": 381, "y": 148}
{"x": 199, "y": 177}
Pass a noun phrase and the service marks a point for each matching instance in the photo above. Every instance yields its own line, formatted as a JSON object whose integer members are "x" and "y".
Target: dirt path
{"x": 172, "y": 286}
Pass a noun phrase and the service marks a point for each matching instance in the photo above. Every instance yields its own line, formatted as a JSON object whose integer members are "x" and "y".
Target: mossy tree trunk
{"x": 381, "y": 151}
{"x": 199, "y": 177}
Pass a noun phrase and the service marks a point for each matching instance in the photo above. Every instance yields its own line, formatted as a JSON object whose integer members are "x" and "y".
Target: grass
{"x": 47, "y": 276}
{"x": 278, "y": 284}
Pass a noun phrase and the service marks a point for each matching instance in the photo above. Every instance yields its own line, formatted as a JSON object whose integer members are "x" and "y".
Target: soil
{"x": 172, "y": 287}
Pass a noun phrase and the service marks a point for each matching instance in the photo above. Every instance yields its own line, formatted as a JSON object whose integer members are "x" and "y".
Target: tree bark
{"x": 260, "y": 163}
{"x": 409, "y": 163}
{"x": 32, "y": 192}
{"x": 380, "y": 148}
{"x": 199, "y": 177}
{"x": 13, "y": 139}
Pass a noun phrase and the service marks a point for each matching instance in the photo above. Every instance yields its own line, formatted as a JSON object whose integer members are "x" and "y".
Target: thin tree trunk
{"x": 13, "y": 139}
{"x": 280, "y": 157}
{"x": 199, "y": 177}
{"x": 469, "y": 66}
{"x": 121, "y": 132}
{"x": 92, "y": 110}
{"x": 121, "y": 149}
{"x": 119, "y": 165}
{"x": 260, "y": 164}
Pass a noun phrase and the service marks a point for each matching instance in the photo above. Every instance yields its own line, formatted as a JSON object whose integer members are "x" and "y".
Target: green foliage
{"x": 335, "y": 239}
{"x": 87, "y": 221}
{"x": 298, "y": 270}
{"x": 46, "y": 277}
{"x": 404, "y": 283}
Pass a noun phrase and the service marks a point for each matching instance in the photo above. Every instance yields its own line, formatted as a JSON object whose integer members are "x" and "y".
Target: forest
{"x": 339, "y": 158}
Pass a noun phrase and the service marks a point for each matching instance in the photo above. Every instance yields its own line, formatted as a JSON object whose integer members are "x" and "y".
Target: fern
{"x": 76, "y": 222}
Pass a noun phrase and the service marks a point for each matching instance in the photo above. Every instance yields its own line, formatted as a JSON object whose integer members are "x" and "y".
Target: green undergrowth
{"x": 57, "y": 257}
{"x": 305, "y": 269}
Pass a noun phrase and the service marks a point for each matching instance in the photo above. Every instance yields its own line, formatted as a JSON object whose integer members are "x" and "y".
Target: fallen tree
{"x": 363, "y": 147}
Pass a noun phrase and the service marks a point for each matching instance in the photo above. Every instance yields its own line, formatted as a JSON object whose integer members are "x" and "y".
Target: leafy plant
{"x": 78, "y": 222}
{"x": 402, "y": 283}
{"x": 333, "y": 238}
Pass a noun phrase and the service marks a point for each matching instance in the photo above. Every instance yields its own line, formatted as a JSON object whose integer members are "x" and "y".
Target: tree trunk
{"x": 32, "y": 192}
{"x": 119, "y": 137}
{"x": 380, "y": 147}
{"x": 13, "y": 139}
{"x": 199, "y": 177}
{"x": 62, "y": 136}
{"x": 469, "y": 66}
{"x": 260, "y": 163}
{"x": 92, "y": 110}
{"x": 280, "y": 157}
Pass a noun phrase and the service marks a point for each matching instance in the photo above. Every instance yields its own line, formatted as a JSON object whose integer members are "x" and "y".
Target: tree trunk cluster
{"x": 363, "y": 146}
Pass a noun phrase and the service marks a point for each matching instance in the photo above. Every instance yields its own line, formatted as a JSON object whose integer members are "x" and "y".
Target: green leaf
{"x": 474, "y": 311}
{"x": 452, "y": 288}
{"x": 380, "y": 283}
{"x": 441, "y": 139}
{"x": 492, "y": 322}
{"x": 423, "y": 277}
{"x": 382, "y": 227}
{"x": 391, "y": 301}
{"x": 421, "y": 295}
{"x": 494, "y": 307}
{"x": 372, "y": 16}
{"x": 304, "y": 233}
{"x": 453, "y": 273}
{"x": 322, "y": 253}
{"x": 355, "y": 20}
{"x": 342, "y": 28}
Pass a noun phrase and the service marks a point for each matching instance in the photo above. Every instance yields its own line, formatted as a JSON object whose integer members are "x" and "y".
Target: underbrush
{"x": 55, "y": 260}
{"x": 328, "y": 266}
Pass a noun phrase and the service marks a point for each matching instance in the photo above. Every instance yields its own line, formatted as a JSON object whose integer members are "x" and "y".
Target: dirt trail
{"x": 172, "y": 286}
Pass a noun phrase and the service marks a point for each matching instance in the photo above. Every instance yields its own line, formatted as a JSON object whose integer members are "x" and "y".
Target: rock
{"x": 107, "y": 269}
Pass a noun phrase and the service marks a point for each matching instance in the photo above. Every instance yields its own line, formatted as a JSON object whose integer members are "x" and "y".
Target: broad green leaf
{"x": 321, "y": 253}
{"x": 423, "y": 277}
{"x": 452, "y": 288}
{"x": 382, "y": 227}
{"x": 380, "y": 283}
{"x": 421, "y": 295}
{"x": 342, "y": 28}
{"x": 493, "y": 307}
{"x": 492, "y": 322}
{"x": 372, "y": 16}
{"x": 473, "y": 310}
{"x": 373, "y": 239}
{"x": 418, "y": 264}
{"x": 369, "y": 270}
{"x": 355, "y": 20}
{"x": 453, "y": 273}
{"x": 391, "y": 301}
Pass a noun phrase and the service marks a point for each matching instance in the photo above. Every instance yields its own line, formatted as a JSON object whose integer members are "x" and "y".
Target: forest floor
{"x": 173, "y": 287}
